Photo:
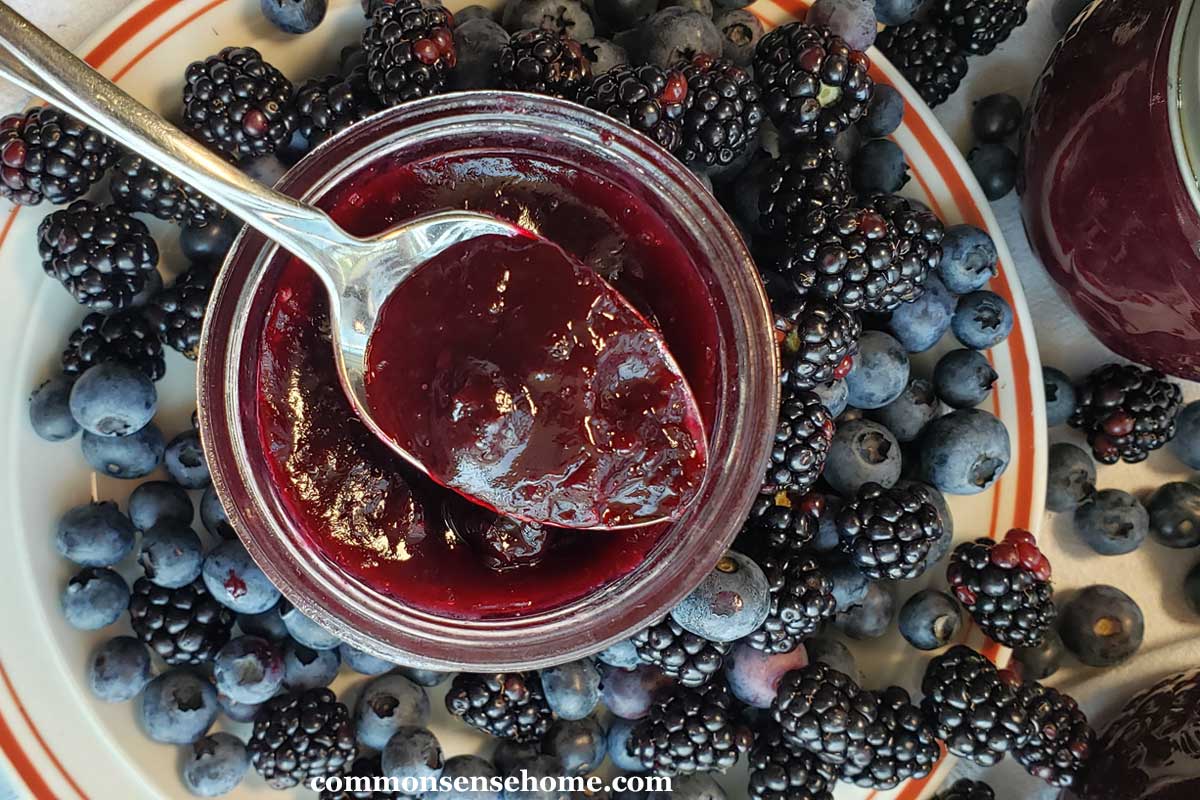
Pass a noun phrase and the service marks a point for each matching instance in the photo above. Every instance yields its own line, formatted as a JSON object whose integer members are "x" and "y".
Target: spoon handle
{"x": 37, "y": 63}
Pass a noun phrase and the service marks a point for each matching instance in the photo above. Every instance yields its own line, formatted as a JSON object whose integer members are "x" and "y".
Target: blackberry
{"x": 930, "y": 59}
{"x": 783, "y": 523}
{"x": 1126, "y": 412}
{"x": 126, "y": 336}
{"x": 964, "y": 789}
{"x": 888, "y": 532}
{"x": 299, "y": 736}
{"x": 177, "y": 312}
{"x": 369, "y": 768}
{"x": 802, "y": 189}
{"x": 813, "y": 83}
{"x": 779, "y": 771}
{"x": 102, "y": 255}
{"x": 48, "y": 155}
{"x": 979, "y": 25}
{"x": 646, "y": 98}
{"x": 183, "y": 626}
{"x": 972, "y": 709}
{"x": 852, "y": 262}
{"x": 238, "y": 104}
{"x": 818, "y": 339}
{"x": 543, "y": 62}
{"x": 1060, "y": 738}
{"x": 918, "y": 234}
{"x": 507, "y": 705}
{"x": 1006, "y": 588}
{"x": 137, "y": 185}
{"x": 328, "y": 105}
{"x": 801, "y": 599}
{"x": 802, "y": 439}
{"x": 722, "y": 112}
{"x": 409, "y": 51}
{"x": 823, "y": 711}
{"x": 897, "y": 744}
{"x": 690, "y": 730}
{"x": 690, "y": 659}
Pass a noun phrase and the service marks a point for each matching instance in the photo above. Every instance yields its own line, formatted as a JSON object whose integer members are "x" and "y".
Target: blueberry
{"x": 880, "y": 371}
{"x": 704, "y": 7}
{"x": 725, "y": 5}
{"x": 896, "y": 12}
{"x": 847, "y": 143}
{"x": 630, "y": 693}
{"x": 622, "y": 655}
{"x": 740, "y": 33}
{"x": 697, "y": 786}
{"x": 94, "y": 598}
{"x": 468, "y": 13}
{"x": 94, "y": 535}
{"x": 908, "y": 414}
{"x": 305, "y": 668}
{"x": 849, "y": 582}
{"x": 677, "y": 34}
{"x": 1191, "y": 588}
{"x": 1112, "y": 522}
{"x": 995, "y": 167}
{"x": 125, "y": 457}
{"x": 862, "y": 451}
{"x": 535, "y": 768}
{"x": 870, "y": 618}
{"x": 50, "y": 410}
{"x": 930, "y": 619}
{"x": 185, "y": 461}
{"x": 982, "y": 320}
{"x": 565, "y": 16}
{"x": 212, "y": 514}
{"x": 884, "y": 114}
{"x": 969, "y": 259}
{"x": 210, "y": 244}
{"x": 248, "y": 670}
{"x": 1070, "y": 478}
{"x": 113, "y": 399}
{"x": 964, "y": 452}
{"x": 1186, "y": 444}
{"x": 964, "y": 378}
{"x": 572, "y": 689}
{"x": 619, "y": 732}
{"x": 413, "y": 753}
{"x": 465, "y": 767}
{"x": 625, "y": 15}
{"x": 387, "y": 704}
{"x": 1039, "y": 663}
{"x": 295, "y": 16}
{"x": 603, "y": 54}
{"x": 579, "y": 745}
{"x": 178, "y": 707}
{"x": 424, "y": 677}
{"x": 266, "y": 625}
{"x": 732, "y": 601}
{"x": 478, "y": 43}
{"x": 1060, "y": 396}
{"x": 171, "y": 554}
{"x": 238, "y": 712}
{"x": 305, "y": 630}
{"x": 935, "y": 498}
{"x": 237, "y": 583}
{"x": 996, "y": 117}
{"x": 509, "y": 754}
{"x": 159, "y": 501}
{"x": 834, "y": 396}
{"x": 879, "y": 167}
{"x": 831, "y": 651}
{"x": 1174, "y": 510}
{"x": 119, "y": 670}
{"x": 827, "y": 538}
{"x": 363, "y": 663}
{"x": 853, "y": 20}
{"x": 216, "y": 764}
{"x": 1102, "y": 626}
{"x": 754, "y": 676}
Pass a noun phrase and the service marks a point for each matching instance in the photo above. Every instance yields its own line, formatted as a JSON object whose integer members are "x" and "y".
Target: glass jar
{"x": 742, "y": 420}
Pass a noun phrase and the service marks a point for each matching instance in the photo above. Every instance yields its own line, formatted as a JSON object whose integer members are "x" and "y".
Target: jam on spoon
{"x": 522, "y": 380}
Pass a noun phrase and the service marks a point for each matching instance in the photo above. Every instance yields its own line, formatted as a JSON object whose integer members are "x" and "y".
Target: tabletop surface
{"x": 1153, "y": 575}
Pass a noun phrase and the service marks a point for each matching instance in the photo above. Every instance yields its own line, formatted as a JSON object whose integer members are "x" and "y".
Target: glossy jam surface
{"x": 519, "y": 378}
{"x": 355, "y": 501}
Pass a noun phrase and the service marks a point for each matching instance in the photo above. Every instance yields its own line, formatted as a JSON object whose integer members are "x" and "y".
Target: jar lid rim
{"x": 1183, "y": 97}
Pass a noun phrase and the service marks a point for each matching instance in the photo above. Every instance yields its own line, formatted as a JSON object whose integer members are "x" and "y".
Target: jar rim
{"x": 1183, "y": 95}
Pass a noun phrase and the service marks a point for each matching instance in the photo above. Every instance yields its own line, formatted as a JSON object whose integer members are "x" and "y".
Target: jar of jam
{"x": 1110, "y": 175}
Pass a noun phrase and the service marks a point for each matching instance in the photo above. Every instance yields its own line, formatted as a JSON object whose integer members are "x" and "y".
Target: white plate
{"x": 59, "y": 741}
